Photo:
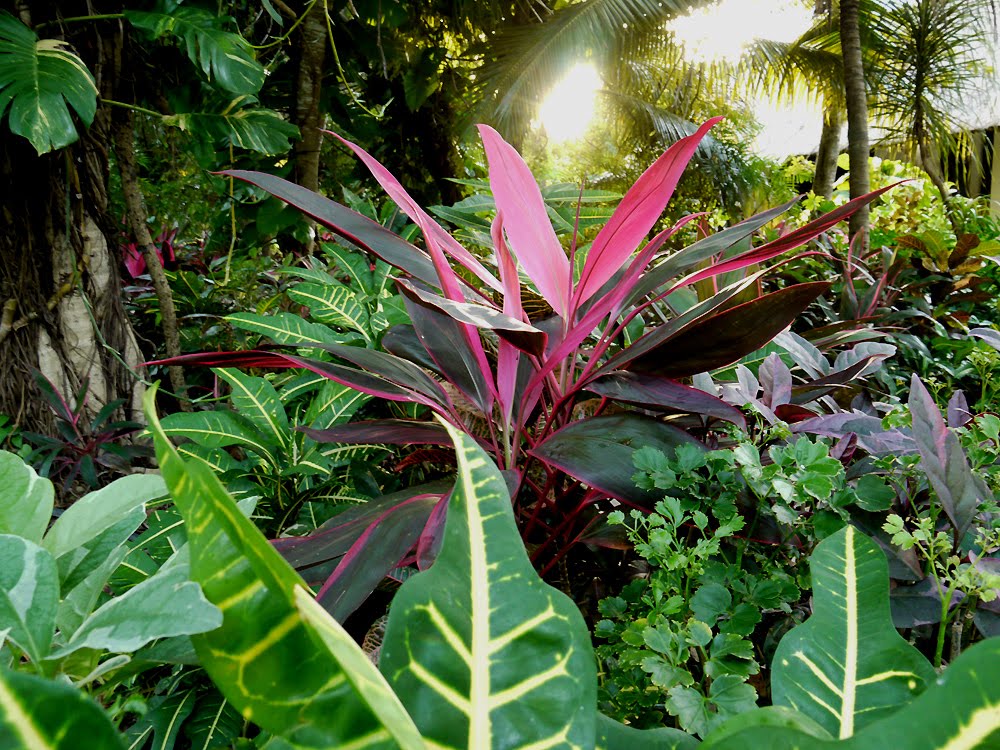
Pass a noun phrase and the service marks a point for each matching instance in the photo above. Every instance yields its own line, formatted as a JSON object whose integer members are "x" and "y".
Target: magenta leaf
{"x": 636, "y": 215}
{"x": 434, "y": 233}
{"x": 775, "y": 381}
{"x": 508, "y": 356}
{"x": 526, "y": 221}
{"x": 661, "y": 393}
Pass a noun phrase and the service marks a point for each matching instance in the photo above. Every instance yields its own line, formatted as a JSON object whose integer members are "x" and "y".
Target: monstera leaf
{"x": 480, "y": 650}
{"x": 271, "y": 656}
{"x": 40, "y": 79}
{"x": 846, "y": 666}
{"x": 222, "y": 55}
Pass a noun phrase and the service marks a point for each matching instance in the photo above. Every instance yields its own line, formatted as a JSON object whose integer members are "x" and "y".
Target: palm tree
{"x": 856, "y": 100}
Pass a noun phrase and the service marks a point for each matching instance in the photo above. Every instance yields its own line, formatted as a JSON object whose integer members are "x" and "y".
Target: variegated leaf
{"x": 846, "y": 666}
{"x": 264, "y": 658}
{"x": 218, "y": 429}
{"x": 332, "y": 304}
{"x": 41, "y": 714}
{"x": 286, "y": 328}
{"x": 481, "y": 651}
{"x": 256, "y": 399}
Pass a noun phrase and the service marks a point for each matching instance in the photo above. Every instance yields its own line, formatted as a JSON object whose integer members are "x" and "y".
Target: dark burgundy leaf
{"x": 351, "y": 225}
{"x": 723, "y": 338}
{"x": 958, "y": 410}
{"x": 919, "y": 604}
{"x": 429, "y": 543}
{"x": 382, "y": 431}
{"x": 598, "y": 452}
{"x": 775, "y": 381}
{"x": 792, "y": 413}
{"x": 662, "y": 393}
{"x": 805, "y": 392}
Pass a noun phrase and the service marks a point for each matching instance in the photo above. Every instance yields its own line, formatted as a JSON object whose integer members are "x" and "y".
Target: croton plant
{"x": 561, "y": 398}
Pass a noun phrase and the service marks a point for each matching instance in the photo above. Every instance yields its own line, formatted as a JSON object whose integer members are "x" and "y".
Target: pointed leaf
{"x": 733, "y": 333}
{"x": 256, "y": 399}
{"x": 526, "y": 221}
{"x": 263, "y": 658}
{"x": 41, "y": 714}
{"x": 636, "y": 215}
{"x": 662, "y": 393}
{"x": 943, "y": 461}
{"x": 613, "y": 735}
{"x": 333, "y": 304}
{"x": 480, "y": 650}
{"x": 40, "y": 79}
{"x": 220, "y": 429}
{"x": 351, "y": 225}
{"x": 286, "y": 328}
{"x": 846, "y": 666}
{"x": 164, "y": 605}
{"x": 26, "y": 499}
{"x": 387, "y": 431}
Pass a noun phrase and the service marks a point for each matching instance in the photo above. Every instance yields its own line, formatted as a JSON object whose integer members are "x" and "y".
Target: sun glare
{"x": 721, "y": 32}
{"x": 569, "y": 108}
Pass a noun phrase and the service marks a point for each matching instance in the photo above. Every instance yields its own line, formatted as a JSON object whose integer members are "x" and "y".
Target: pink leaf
{"x": 638, "y": 212}
{"x": 434, "y": 234}
{"x": 526, "y": 222}
{"x": 508, "y": 357}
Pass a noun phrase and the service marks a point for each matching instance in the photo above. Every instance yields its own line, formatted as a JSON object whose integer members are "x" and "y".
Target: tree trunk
{"x": 857, "y": 117}
{"x": 827, "y": 152}
{"x": 123, "y": 126}
{"x": 60, "y": 287}
{"x": 308, "y": 118}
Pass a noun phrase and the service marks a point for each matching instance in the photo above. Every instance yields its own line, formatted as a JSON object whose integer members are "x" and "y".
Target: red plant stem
{"x": 542, "y": 497}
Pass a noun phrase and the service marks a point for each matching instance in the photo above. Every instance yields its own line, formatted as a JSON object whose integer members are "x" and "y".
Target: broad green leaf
{"x": 256, "y": 399}
{"x": 264, "y": 657}
{"x": 222, "y": 55}
{"x": 164, "y": 605}
{"x": 213, "y": 724}
{"x": 90, "y": 529}
{"x": 480, "y": 650}
{"x": 76, "y": 606}
{"x": 40, "y": 714}
{"x": 241, "y": 125}
{"x": 613, "y": 735}
{"x": 959, "y": 711}
{"x": 163, "y": 537}
{"x": 366, "y": 679}
{"x": 26, "y": 499}
{"x": 162, "y": 722}
{"x": 352, "y": 264}
{"x": 218, "y": 429}
{"x": 334, "y": 404}
{"x": 40, "y": 79}
{"x": 286, "y": 328}
{"x": 332, "y": 304}
{"x": 846, "y": 666}
{"x": 29, "y": 595}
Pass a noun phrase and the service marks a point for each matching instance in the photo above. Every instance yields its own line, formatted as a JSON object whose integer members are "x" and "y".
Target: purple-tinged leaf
{"x": 598, "y": 452}
{"x": 944, "y": 463}
{"x": 661, "y": 393}
{"x": 382, "y": 432}
{"x": 638, "y": 211}
{"x": 790, "y": 241}
{"x": 792, "y": 413}
{"x": 872, "y": 437}
{"x": 335, "y": 537}
{"x": 522, "y": 335}
{"x": 445, "y": 341}
{"x": 803, "y": 393}
{"x": 434, "y": 233}
{"x": 989, "y": 335}
{"x": 775, "y": 380}
{"x": 402, "y": 341}
{"x": 429, "y": 543}
{"x": 349, "y": 224}
{"x": 394, "y": 379}
{"x": 526, "y": 221}
{"x": 723, "y": 338}
{"x": 379, "y": 549}
{"x": 959, "y": 414}
{"x": 919, "y": 603}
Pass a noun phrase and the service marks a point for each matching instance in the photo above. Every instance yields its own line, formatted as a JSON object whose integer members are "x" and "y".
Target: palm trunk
{"x": 309, "y": 86}
{"x": 827, "y": 152}
{"x": 857, "y": 117}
